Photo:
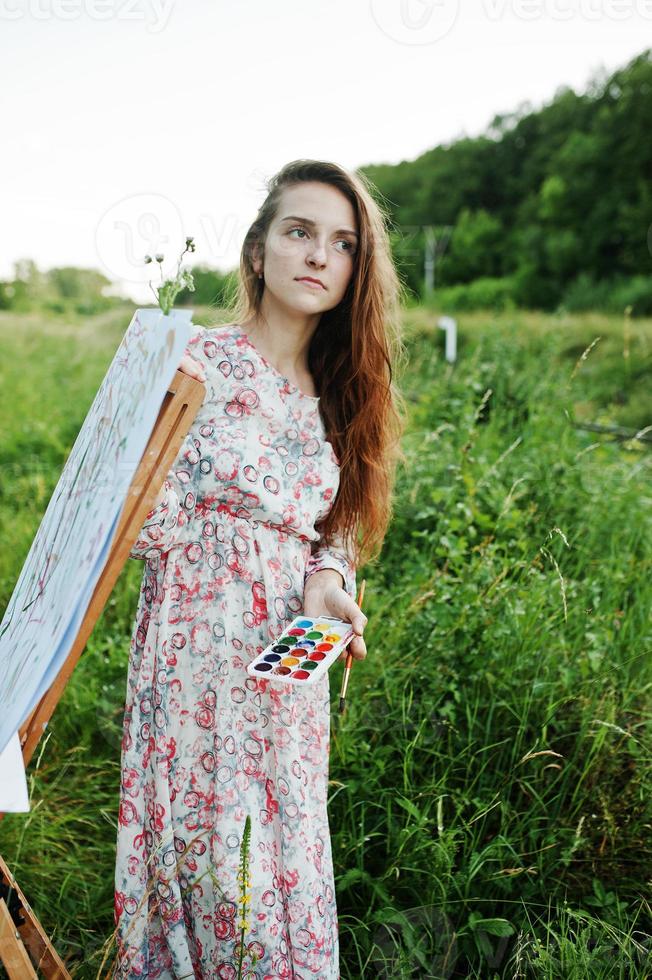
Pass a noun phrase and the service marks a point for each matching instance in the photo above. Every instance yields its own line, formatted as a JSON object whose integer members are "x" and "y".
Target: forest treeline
{"x": 549, "y": 209}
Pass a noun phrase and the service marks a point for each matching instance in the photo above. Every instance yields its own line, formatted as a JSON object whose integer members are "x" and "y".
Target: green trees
{"x": 61, "y": 289}
{"x": 549, "y": 204}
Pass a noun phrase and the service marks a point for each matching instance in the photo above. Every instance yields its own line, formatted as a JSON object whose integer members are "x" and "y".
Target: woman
{"x": 281, "y": 489}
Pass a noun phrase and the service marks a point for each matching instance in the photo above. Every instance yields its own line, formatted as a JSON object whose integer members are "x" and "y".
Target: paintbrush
{"x": 349, "y": 657}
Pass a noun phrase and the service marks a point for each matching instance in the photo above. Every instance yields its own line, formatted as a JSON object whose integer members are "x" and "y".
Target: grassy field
{"x": 491, "y": 780}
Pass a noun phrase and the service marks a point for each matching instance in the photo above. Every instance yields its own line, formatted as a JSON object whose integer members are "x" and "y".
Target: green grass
{"x": 491, "y": 780}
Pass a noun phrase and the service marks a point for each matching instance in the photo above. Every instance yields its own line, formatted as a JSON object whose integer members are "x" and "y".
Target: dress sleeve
{"x": 164, "y": 524}
{"x": 336, "y": 556}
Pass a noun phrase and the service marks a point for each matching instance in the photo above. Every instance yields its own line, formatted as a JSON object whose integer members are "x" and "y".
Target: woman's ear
{"x": 257, "y": 258}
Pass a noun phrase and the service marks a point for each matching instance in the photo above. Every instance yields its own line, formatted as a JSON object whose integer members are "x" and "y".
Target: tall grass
{"x": 491, "y": 787}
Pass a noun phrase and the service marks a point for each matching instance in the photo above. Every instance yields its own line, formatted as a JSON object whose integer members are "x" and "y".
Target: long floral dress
{"x": 227, "y": 553}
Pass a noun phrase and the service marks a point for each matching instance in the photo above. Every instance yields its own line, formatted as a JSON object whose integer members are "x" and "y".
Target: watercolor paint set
{"x": 304, "y": 652}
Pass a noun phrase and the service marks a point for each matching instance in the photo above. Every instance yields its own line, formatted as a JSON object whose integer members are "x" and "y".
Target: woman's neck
{"x": 285, "y": 342}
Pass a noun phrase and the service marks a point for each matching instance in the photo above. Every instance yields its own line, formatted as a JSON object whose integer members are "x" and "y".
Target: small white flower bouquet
{"x": 167, "y": 292}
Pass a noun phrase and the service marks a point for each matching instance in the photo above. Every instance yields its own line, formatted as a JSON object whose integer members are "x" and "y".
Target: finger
{"x": 357, "y": 647}
{"x": 348, "y": 610}
{"x": 357, "y": 618}
{"x": 192, "y": 367}
{"x": 192, "y": 373}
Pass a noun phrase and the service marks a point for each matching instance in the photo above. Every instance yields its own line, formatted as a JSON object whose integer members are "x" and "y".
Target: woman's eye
{"x": 349, "y": 246}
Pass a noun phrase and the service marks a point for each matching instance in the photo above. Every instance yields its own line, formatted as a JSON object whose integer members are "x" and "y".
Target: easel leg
{"x": 12, "y": 952}
{"x": 25, "y": 937}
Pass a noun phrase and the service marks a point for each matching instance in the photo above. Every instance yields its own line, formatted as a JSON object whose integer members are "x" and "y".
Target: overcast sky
{"x": 129, "y": 124}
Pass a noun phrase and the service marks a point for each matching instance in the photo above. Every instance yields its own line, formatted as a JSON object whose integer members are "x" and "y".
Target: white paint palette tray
{"x": 304, "y": 652}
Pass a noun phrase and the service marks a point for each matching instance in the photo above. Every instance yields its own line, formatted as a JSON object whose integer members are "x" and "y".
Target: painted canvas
{"x": 73, "y": 541}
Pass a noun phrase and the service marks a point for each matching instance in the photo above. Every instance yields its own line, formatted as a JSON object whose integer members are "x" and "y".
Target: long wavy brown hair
{"x": 358, "y": 347}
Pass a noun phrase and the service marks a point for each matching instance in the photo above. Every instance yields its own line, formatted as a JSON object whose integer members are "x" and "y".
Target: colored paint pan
{"x": 304, "y": 652}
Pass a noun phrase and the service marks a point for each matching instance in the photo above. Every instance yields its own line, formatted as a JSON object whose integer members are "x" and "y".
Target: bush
{"x": 609, "y": 295}
{"x": 95, "y": 304}
{"x": 55, "y": 306}
{"x": 6, "y": 295}
{"x": 486, "y": 293}
{"x": 211, "y": 288}
{"x": 635, "y": 292}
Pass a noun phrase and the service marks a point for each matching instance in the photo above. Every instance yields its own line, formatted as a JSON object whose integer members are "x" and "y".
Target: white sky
{"x": 129, "y": 124}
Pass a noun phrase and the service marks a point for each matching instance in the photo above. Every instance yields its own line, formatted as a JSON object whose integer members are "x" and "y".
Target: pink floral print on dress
{"x": 226, "y": 556}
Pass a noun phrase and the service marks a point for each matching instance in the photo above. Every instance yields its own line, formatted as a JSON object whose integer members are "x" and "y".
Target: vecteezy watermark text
{"x": 155, "y": 13}
{"x": 415, "y": 22}
{"x": 566, "y": 9}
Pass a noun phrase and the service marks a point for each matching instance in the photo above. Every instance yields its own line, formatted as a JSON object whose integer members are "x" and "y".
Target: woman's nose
{"x": 317, "y": 253}
{"x": 318, "y": 256}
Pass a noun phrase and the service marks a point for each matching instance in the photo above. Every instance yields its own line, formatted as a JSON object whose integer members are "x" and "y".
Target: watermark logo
{"x": 155, "y": 14}
{"x": 143, "y": 224}
{"x": 151, "y": 224}
{"x": 415, "y": 21}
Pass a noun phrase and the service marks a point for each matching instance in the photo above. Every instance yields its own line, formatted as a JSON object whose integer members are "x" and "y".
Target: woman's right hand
{"x": 191, "y": 366}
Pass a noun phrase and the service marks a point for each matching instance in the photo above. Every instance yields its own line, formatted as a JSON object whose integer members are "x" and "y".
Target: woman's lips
{"x": 309, "y": 282}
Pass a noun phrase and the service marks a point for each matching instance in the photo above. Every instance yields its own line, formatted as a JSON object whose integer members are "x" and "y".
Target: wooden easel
{"x": 24, "y": 945}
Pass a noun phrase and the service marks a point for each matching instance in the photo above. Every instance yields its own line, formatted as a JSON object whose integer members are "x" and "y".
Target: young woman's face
{"x": 314, "y": 234}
